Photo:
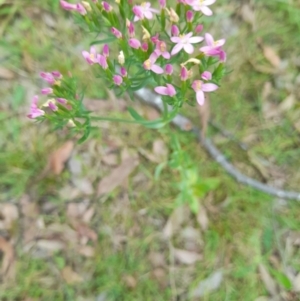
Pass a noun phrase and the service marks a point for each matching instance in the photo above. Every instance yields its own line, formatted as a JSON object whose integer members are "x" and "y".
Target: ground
{"x": 97, "y": 221}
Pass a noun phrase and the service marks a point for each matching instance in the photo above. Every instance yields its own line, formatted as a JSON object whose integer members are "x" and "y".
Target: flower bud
{"x": 189, "y": 16}
{"x": 174, "y": 30}
{"x": 162, "y": 3}
{"x": 117, "y": 80}
{"x": 130, "y": 28}
{"x": 46, "y": 91}
{"x": 80, "y": 8}
{"x": 145, "y": 47}
{"x": 106, "y": 50}
{"x": 173, "y": 15}
{"x": 146, "y": 34}
{"x": 121, "y": 58}
{"x": 123, "y": 72}
{"x": 106, "y": 6}
{"x": 169, "y": 69}
{"x": 206, "y": 75}
{"x": 86, "y": 5}
{"x": 116, "y": 32}
{"x": 198, "y": 28}
{"x": 134, "y": 43}
{"x": 184, "y": 75}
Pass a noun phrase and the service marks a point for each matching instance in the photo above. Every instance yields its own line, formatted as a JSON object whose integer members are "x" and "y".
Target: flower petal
{"x": 176, "y": 49}
{"x": 206, "y": 11}
{"x": 209, "y": 39}
{"x": 176, "y": 39}
{"x": 209, "y": 87}
{"x": 189, "y": 48}
{"x": 161, "y": 90}
{"x": 196, "y": 39}
{"x": 200, "y": 97}
{"x": 157, "y": 69}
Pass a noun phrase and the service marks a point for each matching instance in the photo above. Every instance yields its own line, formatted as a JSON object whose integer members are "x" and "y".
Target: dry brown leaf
{"x": 268, "y": 281}
{"x": 110, "y": 159}
{"x": 248, "y": 15}
{"x": 117, "y": 176}
{"x": 59, "y": 157}
{"x": 177, "y": 218}
{"x": 130, "y": 281}
{"x": 160, "y": 150}
{"x": 6, "y": 73}
{"x": 204, "y": 112}
{"x": 288, "y": 103}
{"x": 208, "y": 285}
{"x": 87, "y": 251}
{"x": 160, "y": 276}
{"x": 70, "y": 276}
{"x": 157, "y": 259}
{"x": 267, "y": 90}
{"x": 186, "y": 257}
{"x": 8, "y": 261}
{"x": 83, "y": 230}
{"x": 270, "y": 54}
{"x": 9, "y": 214}
{"x": 50, "y": 245}
{"x": 202, "y": 218}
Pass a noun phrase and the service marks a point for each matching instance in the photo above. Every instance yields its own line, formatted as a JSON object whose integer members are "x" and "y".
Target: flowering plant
{"x": 142, "y": 47}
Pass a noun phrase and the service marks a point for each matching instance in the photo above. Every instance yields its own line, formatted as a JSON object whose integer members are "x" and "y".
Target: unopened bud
{"x": 146, "y": 34}
{"x": 121, "y": 58}
{"x": 86, "y": 5}
{"x": 173, "y": 15}
{"x": 189, "y": 16}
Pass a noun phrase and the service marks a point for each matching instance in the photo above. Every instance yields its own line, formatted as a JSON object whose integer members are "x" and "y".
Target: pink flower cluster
{"x": 156, "y": 53}
{"x": 53, "y": 79}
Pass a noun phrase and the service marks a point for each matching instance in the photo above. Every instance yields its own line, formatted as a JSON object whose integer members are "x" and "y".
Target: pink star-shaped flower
{"x": 185, "y": 42}
{"x": 199, "y": 87}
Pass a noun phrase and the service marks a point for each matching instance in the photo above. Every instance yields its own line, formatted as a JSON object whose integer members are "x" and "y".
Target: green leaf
{"x": 108, "y": 40}
{"x": 135, "y": 115}
{"x": 282, "y": 279}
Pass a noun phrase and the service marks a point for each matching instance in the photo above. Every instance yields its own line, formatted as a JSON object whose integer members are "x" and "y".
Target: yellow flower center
{"x": 147, "y": 64}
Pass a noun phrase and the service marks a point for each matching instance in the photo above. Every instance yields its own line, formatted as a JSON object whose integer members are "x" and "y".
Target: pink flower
{"x": 105, "y": 50}
{"x": 143, "y": 11}
{"x": 52, "y": 105}
{"x": 150, "y": 64}
{"x": 161, "y": 50}
{"x": 201, "y": 6}
{"x": 134, "y": 43}
{"x": 90, "y": 57}
{"x": 199, "y": 87}
{"x": 46, "y": 91}
{"x": 101, "y": 59}
{"x": 185, "y": 42}
{"x": 48, "y": 77}
{"x": 169, "y": 69}
{"x": 212, "y": 45}
{"x": 206, "y": 75}
{"x": 116, "y": 32}
{"x": 106, "y": 6}
{"x": 168, "y": 90}
{"x": 118, "y": 80}
{"x": 214, "y": 48}
{"x": 34, "y": 110}
{"x": 67, "y": 6}
{"x": 155, "y": 38}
